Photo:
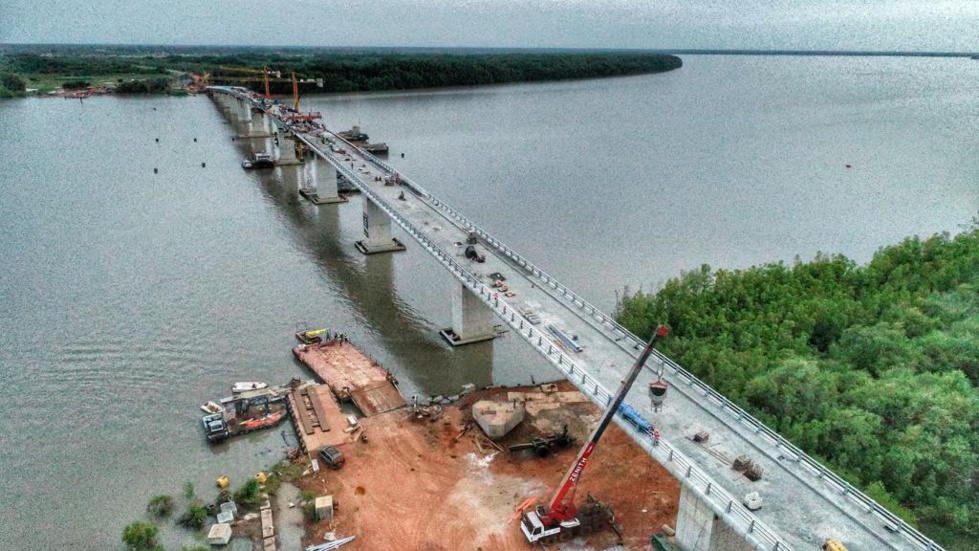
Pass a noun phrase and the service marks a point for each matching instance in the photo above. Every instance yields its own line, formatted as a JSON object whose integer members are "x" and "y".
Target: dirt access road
{"x": 419, "y": 486}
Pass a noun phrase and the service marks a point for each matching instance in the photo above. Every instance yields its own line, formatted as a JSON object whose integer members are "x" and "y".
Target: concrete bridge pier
{"x": 223, "y": 102}
{"x": 321, "y": 189}
{"x": 257, "y": 125}
{"x": 230, "y": 104}
{"x": 699, "y": 529}
{"x": 472, "y": 320}
{"x": 377, "y": 230}
{"x": 287, "y": 149}
{"x": 243, "y": 111}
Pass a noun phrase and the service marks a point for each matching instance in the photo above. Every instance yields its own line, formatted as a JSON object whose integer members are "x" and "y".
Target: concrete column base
{"x": 472, "y": 320}
{"x": 251, "y": 137}
{"x": 313, "y": 197}
{"x": 366, "y": 247}
{"x": 455, "y": 340}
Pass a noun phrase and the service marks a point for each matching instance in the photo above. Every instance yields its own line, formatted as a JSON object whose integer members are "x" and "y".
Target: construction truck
{"x": 561, "y": 519}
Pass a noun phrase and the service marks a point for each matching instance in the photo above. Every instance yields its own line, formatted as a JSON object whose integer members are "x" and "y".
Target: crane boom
{"x": 264, "y": 71}
{"x": 562, "y": 506}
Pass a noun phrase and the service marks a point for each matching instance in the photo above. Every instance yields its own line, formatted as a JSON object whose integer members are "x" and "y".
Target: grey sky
{"x": 940, "y": 25}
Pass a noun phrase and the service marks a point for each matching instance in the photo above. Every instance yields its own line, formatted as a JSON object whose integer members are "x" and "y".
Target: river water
{"x": 128, "y": 298}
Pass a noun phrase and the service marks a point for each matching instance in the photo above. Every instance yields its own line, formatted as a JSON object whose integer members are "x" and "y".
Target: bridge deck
{"x": 805, "y": 503}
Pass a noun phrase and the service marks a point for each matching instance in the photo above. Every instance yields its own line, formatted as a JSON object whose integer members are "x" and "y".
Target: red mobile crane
{"x": 562, "y": 518}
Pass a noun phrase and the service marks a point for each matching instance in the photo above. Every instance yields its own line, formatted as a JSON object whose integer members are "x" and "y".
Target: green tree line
{"x": 346, "y": 72}
{"x": 147, "y": 86}
{"x": 872, "y": 369}
{"x": 375, "y": 72}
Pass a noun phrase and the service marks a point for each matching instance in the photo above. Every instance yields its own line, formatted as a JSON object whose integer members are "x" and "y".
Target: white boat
{"x": 212, "y": 407}
{"x": 246, "y": 386}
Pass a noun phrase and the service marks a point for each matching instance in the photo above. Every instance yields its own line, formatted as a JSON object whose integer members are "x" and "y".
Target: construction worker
{"x": 656, "y": 436}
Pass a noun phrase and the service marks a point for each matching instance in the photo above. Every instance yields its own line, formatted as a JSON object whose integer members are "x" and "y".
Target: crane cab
{"x": 533, "y": 529}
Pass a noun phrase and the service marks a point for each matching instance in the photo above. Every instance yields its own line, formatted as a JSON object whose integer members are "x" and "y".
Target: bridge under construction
{"x": 703, "y": 434}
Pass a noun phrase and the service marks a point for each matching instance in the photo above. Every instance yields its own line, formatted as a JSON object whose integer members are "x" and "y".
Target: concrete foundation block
{"x": 229, "y": 506}
{"x": 498, "y": 418}
{"x": 226, "y": 517}
{"x": 323, "y": 507}
{"x": 220, "y": 534}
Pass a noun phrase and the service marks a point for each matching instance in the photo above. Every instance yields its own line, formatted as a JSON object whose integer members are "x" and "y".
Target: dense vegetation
{"x": 375, "y": 72}
{"x": 141, "y": 536}
{"x": 147, "y": 86}
{"x": 873, "y": 369}
{"x": 329, "y": 71}
{"x": 11, "y": 85}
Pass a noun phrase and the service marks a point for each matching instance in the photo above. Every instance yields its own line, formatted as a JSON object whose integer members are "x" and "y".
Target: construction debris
{"x": 752, "y": 471}
{"x": 542, "y": 446}
{"x": 331, "y": 545}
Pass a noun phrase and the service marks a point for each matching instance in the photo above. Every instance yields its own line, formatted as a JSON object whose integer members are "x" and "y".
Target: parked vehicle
{"x": 332, "y": 457}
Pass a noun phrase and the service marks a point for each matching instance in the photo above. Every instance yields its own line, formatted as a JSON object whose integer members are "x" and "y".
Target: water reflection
{"x": 367, "y": 284}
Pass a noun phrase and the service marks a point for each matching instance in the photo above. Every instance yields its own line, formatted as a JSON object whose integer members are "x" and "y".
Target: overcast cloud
{"x": 917, "y": 25}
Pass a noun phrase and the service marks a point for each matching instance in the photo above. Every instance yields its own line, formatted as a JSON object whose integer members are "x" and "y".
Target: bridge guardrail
{"x": 566, "y": 365}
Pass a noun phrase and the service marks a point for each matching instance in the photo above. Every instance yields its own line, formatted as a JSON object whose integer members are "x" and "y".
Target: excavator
{"x": 561, "y": 518}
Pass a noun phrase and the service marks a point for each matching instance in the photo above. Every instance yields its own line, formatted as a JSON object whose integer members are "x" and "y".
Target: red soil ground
{"x": 419, "y": 485}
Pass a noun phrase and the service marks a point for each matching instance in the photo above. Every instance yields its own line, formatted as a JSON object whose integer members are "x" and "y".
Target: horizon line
{"x": 684, "y": 51}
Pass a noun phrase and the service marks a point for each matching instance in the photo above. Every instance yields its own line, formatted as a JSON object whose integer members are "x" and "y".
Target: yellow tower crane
{"x": 264, "y": 71}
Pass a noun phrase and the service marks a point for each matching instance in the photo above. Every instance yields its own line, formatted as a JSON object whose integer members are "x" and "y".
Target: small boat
{"x": 354, "y": 135}
{"x": 258, "y": 160}
{"x": 306, "y": 335}
{"x": 267, "y": 421}
{"x": 240, "y": 387}
{"x": 381, "y": 148}
{"x": 212, "y": 407}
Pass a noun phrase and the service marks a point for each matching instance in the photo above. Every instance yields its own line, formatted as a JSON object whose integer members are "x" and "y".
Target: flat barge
{"x": 317, "y": 418}
{"x": 351, "y": 375}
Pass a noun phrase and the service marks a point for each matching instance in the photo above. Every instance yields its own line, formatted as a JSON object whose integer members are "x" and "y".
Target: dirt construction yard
{"x": 435, "y": 485}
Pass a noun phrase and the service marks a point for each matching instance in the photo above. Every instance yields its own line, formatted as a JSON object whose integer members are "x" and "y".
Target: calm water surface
{"x": 127, "y": 298}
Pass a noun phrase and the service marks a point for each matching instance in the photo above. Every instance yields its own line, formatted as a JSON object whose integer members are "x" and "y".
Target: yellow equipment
{"x": 223, "y": 482}
{"x": 264, "y": 71}
{"x": 833, "y": 545}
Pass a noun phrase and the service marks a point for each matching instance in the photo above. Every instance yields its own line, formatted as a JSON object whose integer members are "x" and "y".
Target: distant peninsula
{"x": 76, "y": 69}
